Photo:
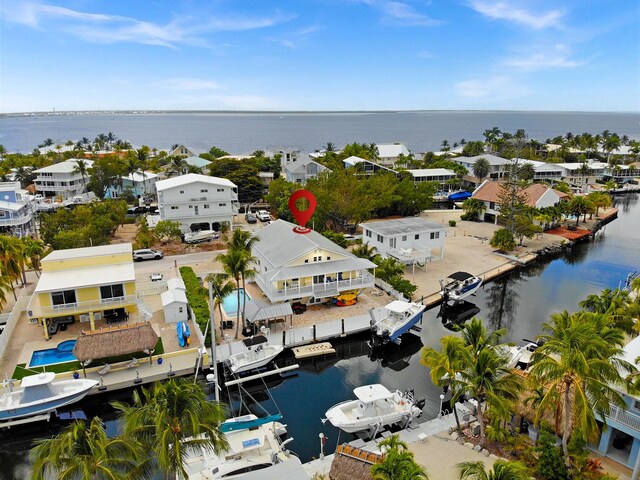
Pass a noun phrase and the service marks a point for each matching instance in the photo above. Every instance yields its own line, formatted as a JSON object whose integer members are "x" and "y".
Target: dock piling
{"x": 342, "y": 334}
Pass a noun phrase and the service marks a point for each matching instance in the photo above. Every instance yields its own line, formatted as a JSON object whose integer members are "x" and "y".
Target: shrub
{"x": 452, "y": 223}
{"x": 503, "y": 240}
{"x": 551, "y": 465}
{"x": 197, "y": 297}
{"x": 402, "y": 285}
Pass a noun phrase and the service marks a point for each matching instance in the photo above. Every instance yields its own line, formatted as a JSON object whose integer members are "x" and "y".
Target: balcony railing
{"x": 37, "y": 310}
{"x": 624, "y": 417}
{"x": 318, "y": 290}
{"x": 12, "y": 221}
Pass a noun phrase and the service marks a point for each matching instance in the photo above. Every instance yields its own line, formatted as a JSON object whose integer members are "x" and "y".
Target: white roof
{"x": 85, "y": 277}
{"x": 576, "y": 166}
{"x": 173, "y": 296}
{"x": 402, "y": 226}
{"x": 192, "y": 178}
{"x": 63, "y": 167}
{"x": 371, "y": 393}
{"x": 72, "y": 253}
{"x": 398, "y": 306}
{"x": 386, "y": 150}
{"x": 176, "y": 284}
{"x": 431, "y": 172}
{"x": 353, "y": 160}
{"x": 492, "y": 159}
{"x": 14, "y": 207}
{"x": 137, "y": 176}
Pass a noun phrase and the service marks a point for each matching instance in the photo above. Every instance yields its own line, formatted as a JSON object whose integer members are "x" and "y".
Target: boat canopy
{"x": 253, "y": 341}
{"x": 246, "y": 422}
{"x": 371, "y": 393}
{"x": 40, "y": 379}
{"x": 460, "y": 276}
{"x": 398, "y": 306}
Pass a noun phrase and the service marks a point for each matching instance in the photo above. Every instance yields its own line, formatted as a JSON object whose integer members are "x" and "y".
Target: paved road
{"x": 167, "y": 263}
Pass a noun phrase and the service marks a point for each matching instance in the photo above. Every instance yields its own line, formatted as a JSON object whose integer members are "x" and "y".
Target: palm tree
{"x": 243, "y": 241}
{"x": 177, "y": 166}
{"x": 473, "y": 208}
{"x": 5, "y": 286}
{"x": 222, "y": 288}
{"x": 82, "y": 168}
{"x": 579, "y": 205}
{"x": 363, "y": 250}
{"x": 172, "y": 418}
{"x": 599, "y": 200}
{"x": 233, "y": 262}
{"x": 329, "y": 147}
{"x": 33, "y": 250}
{"x": 579, "y": 363}
{"x": 85, "y": 451}
{"x": 481, "y": 168}
{"x": 388, "y": 268}
{"x": 142, "y": 155}
{"x": 10, "y": 260}
{"x": 502, "y": 470}
{"x": 24, "y": 175}
{"x": 398, "y": 463}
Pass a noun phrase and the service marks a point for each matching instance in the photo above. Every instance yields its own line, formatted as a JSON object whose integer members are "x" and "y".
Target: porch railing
{"x": 36, "y": 310}
{"x": 317, "y": 289}
{"x": 624, "y": 417}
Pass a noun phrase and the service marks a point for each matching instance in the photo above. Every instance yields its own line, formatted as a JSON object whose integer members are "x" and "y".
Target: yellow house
{"x": 85, "y": 285}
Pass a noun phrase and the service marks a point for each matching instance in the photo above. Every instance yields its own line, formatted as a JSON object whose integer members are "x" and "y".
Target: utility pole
{"x": 214, "y": 363}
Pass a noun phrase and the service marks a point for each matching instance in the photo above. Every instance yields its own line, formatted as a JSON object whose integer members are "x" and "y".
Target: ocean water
{"x": 241, "y": 133}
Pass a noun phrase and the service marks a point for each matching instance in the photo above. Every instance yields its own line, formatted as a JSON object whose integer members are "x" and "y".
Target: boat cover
{"x": 371, "y": 393}
{"x": 460, "y": 276}
{"x": 253, "y": 341}
{"x": 398, "y": 306}
{"x": 233, "y": 426}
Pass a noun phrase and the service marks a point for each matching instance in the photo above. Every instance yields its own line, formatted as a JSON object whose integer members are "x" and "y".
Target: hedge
{"x": 197, "y": 297}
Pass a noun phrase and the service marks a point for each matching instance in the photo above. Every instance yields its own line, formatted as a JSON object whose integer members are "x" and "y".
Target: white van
{"x": 263, "y": 216}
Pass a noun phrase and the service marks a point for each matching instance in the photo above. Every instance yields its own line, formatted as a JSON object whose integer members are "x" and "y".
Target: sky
{"x": 334, "y": 55}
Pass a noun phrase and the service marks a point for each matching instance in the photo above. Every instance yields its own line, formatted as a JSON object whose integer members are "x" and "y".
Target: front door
{"x": 318, "y": 279}
{"x": 195, "y": 209}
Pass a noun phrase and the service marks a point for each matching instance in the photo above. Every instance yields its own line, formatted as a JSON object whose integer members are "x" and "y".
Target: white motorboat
{"x": 524, "y": 362}
{"x": 511, "y": 352}
{"x": 375, "y": 407}
{"x": 255, "y": 451}
{"x": 39, "y": 394}
{"x": 459, "y": 285}
{"x": 390, "y": 322}
{"x": 258, "y": 354}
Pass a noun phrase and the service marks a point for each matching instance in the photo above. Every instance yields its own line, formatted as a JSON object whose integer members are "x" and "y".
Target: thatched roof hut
{"x": 351, "y": 463}
{"x": 115, "y": 341}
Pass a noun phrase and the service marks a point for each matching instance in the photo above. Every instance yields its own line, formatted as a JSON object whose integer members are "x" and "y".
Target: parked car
{"x": 147, "y": 254}
{"x": 298, "y": 308}
{"x": 250, "y": 218}
{"x": 201, "y": 236}
{"x": 263, "y": 216}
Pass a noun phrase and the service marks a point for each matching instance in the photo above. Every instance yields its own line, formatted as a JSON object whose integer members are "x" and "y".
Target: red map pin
{"x": 302, "y": 216}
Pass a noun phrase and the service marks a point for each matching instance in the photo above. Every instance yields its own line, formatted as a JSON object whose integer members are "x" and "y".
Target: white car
{"x": 263, "y": 216}
{"x": 147, "y": 254}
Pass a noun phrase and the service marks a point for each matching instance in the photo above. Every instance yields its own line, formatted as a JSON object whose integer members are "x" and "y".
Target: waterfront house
{"x": 60, "y": 179}
{"x": 197, "y": 202}
{"x": 388, "y": 153}
{"x": 497, "y": 165}
{"x": 410, "y": 240}
{"x": 91, "y": 284}
{"x": 16, "y": 210}
{"x": 543, "y": 171}
{"x": 308, "y": 268}
{"x": 366, "y": 167}
{"x": 303, "y": 169}
{"x": 438, "y": 175}
{"x": 181, "y": 151}
{"x": 575, "y": 175}
{"x": 288, "y": 155}
{"x": 537, "y": 195}
{"x": 198, "y": 163}
{"x": 138, "y": 184}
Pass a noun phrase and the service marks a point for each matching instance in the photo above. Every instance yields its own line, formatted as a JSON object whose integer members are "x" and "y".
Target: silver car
{"x": 147, "y": 254}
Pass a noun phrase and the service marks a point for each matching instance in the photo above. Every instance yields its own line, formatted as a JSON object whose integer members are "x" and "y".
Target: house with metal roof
{"x": 308, "y": 268}
{"x": 181, "y": 150}
{"x": 197, "y": 162}
{"x": 61, "y": 179}
{"x": 497, "y": 165}
{"x": 366, "y": 167}
{"x": 197, "y": 202}
{"x": 439, "y": 175}
{"x": 388, "y": 153}
{"x": 303, "y": 169}
{"x": 138, "y": 184}
{"x": 16, "y": 210}
{"x": 410, "y": 240}
{"x": 576, "y": 175}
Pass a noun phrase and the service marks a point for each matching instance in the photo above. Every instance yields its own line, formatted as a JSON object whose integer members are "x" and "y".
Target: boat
{"x": 376, "y": 407}
{"x": 459, "y": 196}
{"x": 527, "y": 353}
{"x": 313, "y": 350}
{"x": 460, "y": 286}
{"x": 454, "y": 316}
{"x": 39, "y": 394}
{"x": 257, "y": 355}
{"x": 201, "y": 236}
{"x": 256, "y": 451}
{"x": 184, "y": 335}
{"x": 390, "y": 322}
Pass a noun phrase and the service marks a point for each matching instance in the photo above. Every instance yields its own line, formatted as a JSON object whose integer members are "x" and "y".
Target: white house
{"x": 302, "y": 170}
{"x": 137, "y": 183}
{"x": 497, "y": 165}
{"x": 574, "y": 174}
{"x": 543, "y": 170}
{"x": 174, "y": 305}
{"x": 60, "y": 179}
{"x": 440, "y": 175}
{"x": 388, "y": 153}
{"x": 410, "y": 240}
{"x": 308, "y": 268}
{"x": 288, "y": 155}
{"x": 198, "y": 202}
{"x": 366, "y": 167}
{"x": 16, "y": 210}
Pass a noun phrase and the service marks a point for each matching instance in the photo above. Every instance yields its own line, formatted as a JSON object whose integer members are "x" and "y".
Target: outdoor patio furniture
{"x": 104, "y": 369}
{"x": 134, "y": 362}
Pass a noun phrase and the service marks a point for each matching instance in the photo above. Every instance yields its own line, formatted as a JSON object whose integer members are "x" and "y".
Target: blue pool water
{"x": 62, "y": 353}
{"x": 230, "y": 302}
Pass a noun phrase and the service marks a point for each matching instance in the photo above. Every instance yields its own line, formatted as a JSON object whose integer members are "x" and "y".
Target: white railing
{"x": 624, "y": 417}
{"x": 20, "y": 220}
{"x": 382, "y": 285}
{"x": 72, "y": 308}
{"x": 151, "y": 288}
{"x": 12, "y": 321}
{"x": 316, "y": 289}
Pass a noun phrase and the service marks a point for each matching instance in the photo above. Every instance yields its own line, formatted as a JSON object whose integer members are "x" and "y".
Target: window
{"x": 404, "y": 238}
{"x": 434, "y": 235}
{"x": 180, "y": 309}
{"x": 63, "y": 298}
{"x": 636, "y": 404}
{"x": 222, "y": 204}
{"x": 219, "y": 189}
{"x": 174, "y": 207}
{"x": 417, "y": 237}
{"x": 492, "y": 205}
{"x": 181, "y": 191}
{"x": 380, "y": 238}
{"x": 306, "y": 260}
{"x": 328, "y": 258}
{"x": 206, "y": 205}
{"x": 112, "y": 291}
{"x": 367, "y": 233}
{"x": 204, "y": 190}
{"x": 190, "y": 206}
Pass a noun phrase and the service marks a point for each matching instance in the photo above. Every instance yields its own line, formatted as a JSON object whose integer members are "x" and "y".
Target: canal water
{"x": 519, "y": 302}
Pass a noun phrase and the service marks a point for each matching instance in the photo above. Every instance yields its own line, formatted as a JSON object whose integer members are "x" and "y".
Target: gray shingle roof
{"x": 402, "y": 226}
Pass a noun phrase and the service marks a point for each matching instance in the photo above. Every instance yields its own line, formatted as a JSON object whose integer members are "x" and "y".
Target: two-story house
{"x": 138, "y": 184}
{"x": 366, "y": 167}
{"x": 88, "y": 284}
{"x": 388, "y": 153}
{"x": 582, "y": 175}
{"x": 61, "y": 179}
{"x": 439, "y": 175}
{"x": 410, "y": 240}
{"x": 497, "y": 165}
{"x": 308, "y": 268}
{"x": 16, "y": 210}
{"x": 181, "y": 151}
{"x": 304, "y": 169}
{"x": 198, "y": 202}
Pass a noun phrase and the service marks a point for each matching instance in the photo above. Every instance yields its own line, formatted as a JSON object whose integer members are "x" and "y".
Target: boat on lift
{"x": 375, "y": 407}
{"x": 40, "y": 394}
{"x": 459, "y": 285}
{"x": 258, "y": 354}
{"x": 391, "y": 321}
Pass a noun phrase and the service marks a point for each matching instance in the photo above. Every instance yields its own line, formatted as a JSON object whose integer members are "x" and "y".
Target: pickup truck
{"x": 263, "y": 216}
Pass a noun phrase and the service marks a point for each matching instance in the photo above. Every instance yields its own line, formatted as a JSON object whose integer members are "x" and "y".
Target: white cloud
{"x": 103, "y": 28}
{"x": 296, "y": 38}
{"x": 543, "y": 61}
{"x": 506, "y": 10}
{"x": 400, "y": 13}
{"x": 497, "y": 87}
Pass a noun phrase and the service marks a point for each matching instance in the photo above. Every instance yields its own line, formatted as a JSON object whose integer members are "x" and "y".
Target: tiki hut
{"x": 115, "y": 341}
{"x": 351, "y": 463}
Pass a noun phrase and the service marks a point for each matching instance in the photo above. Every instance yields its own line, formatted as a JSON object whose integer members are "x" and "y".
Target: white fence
{"x": 151, "y": 288}
{"x": 382, "y": 285}
{"x": 12, "y": 321}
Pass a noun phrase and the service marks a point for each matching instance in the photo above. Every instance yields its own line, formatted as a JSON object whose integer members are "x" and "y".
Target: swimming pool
{"x": 230, "y": 302}
{"x": 62, "y": 353}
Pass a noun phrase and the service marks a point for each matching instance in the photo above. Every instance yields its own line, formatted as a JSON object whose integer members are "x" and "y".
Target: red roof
{"x": 490, "y": 192}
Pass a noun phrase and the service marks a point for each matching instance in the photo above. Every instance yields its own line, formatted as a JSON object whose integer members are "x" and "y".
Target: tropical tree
{"x": 82, "y": 168}
{"x": 387, "y": 268}
{"x": 579, "y": 205}
{"x": 330, "y": 147}
{"x": 170, "y": 419}
{"x": 398, "y": 463}
{"x": 363, "y": 250}
{"x": 501, "y": 470}
{"x": 177, "y": 166}
{"x": 10, "y": 260}
{"x": 599, "y": 200}
{"x": 142, "y": 157}
{"x": 243, "y": 241}
{"x": 481, "y": 168}
{"x": 233, "y": 264}
{"x": 580, "y": 363}
{"x": 167, "y": 230}
{"x": 33, "y": 250}
{"x": 5, "y": 286}
{"x": 503, "y": 240}
{"x": 222, "y": 288}
{"x": 84, "y": 451}
{"x": 473, "y": 208}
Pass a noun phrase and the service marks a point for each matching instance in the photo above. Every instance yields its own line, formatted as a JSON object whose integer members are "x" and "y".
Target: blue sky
{"x": 320, "y": 55}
